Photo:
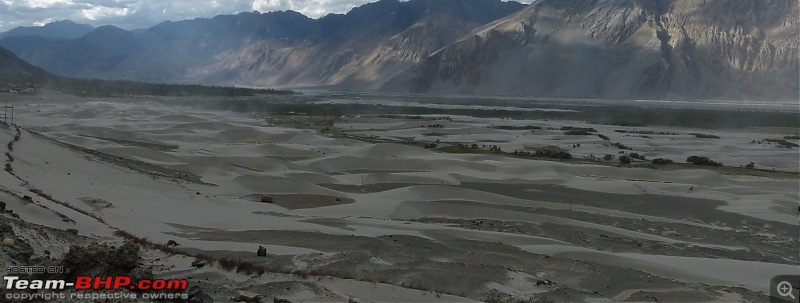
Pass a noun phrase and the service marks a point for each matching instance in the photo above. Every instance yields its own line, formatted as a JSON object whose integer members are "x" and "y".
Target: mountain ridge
{"x": 649, "y": 49}
{"x": 64, "y": 29}
{"x": 622, "y": 49}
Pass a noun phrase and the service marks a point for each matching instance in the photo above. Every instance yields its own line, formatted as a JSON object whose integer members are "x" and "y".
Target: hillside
{"x": 360, "y": 49}
{"x": 14, "y": 71}
{"x": 679, "y": 49}
{"x": 620, "y": 49}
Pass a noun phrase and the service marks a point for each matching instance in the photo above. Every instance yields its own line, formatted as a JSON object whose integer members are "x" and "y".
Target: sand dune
{"x": 459, "y": 224}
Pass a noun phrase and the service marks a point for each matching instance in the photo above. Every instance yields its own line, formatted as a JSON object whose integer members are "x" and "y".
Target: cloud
{"x": 132, "y": 14}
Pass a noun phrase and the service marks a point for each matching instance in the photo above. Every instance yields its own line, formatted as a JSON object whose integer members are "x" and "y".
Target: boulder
{"x": 262, "y": 251}
{"x": 248, "y": 296}
{"x": 102, "y": 259}
{"x": 198, "y": 263}
{"x": 267, "y": 199}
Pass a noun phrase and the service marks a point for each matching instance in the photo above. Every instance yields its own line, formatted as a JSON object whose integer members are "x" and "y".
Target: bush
{"x": 637, "y": 156}
{"x": 545, "y": 153}
{"x": 702, "y": 160}
{"x": 782, "y": 142}
{"x": 604, "y": 137}
{"x": 661, "y": 161}
{"x": 608, "y": 157}
{"x": 620, "y": 146}
{"x": 624, "y": 159}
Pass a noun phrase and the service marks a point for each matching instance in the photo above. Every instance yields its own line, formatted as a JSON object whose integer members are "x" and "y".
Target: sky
{"x": 133, "y": 14}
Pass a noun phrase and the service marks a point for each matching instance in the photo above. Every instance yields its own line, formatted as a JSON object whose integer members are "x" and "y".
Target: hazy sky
{"x": 131, "y": 14}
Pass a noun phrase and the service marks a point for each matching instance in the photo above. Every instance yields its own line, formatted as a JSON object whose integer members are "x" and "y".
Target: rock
{"x": 262, "y": 251}
{"x": 197, "y": 295}
{"x": 198, "y": 263}
{"x": 267, "y": 199}
{"x": 2, "y": 206}
{"x": 16, "y": 249}
{"x": 352, "y": 300}
{"x": 27, "y": 198}
{"x": 172, "y": 243}
{"x": 545, "y": 283}
{"x": 6, "y": 229}
{"x": 248, "y": 296}
{"x": 72, "y": 231}
{"x": 102, "y": 259}
{"x": 277, "y": 300}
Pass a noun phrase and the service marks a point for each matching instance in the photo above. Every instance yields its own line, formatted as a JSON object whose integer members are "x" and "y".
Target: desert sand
{"x": 384, "y": 221}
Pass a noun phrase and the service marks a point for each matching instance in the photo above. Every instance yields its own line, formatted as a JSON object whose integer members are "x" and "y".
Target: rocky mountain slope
{"x": 360, "y": 49}
{"x": 674, "y": 49}
{"x": 742, "y": 49}
{"x": 12, "y": 67}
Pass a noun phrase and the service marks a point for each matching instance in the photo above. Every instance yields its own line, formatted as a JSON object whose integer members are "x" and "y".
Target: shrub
{"x": 585, "y": 129}
{"x": 624, "y": 159}
{"x": 637, "y": 156}
{"x": 782, "y": 142}
{"x": 620, "y": 146}
{"x": 604, "y": 137}
{"x": 608, "y": 157}
{"x": 702, "y": 160}
{"x": 661, "y": 161}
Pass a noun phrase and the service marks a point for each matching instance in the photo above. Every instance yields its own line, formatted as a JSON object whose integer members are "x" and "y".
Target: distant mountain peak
{"x": 62, "y": 29}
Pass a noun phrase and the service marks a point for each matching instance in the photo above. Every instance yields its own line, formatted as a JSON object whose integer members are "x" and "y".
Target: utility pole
{"x": 5, "y": 113}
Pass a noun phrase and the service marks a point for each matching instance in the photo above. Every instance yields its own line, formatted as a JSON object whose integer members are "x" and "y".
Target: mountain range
{"x": 12, "y": 67}
{"x": 677, "y": 49}
{"x": 64, "y": 29}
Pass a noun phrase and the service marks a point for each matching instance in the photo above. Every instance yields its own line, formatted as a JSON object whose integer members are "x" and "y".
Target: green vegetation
{"x": 705, "y": 136}
{"x": 645, "y": 132}
{"x": 545, "y": 153}
{"x": 636, "y": 156}
{"x": 582, "y": 129}
{"x": 782, "y": 142}
{"x": 120, "y": 88}
{"x": 661, "y": 161}
{"x": 515, "y": 127}
{"x": 702, "y": 160}
{"x": 620, "y": 146}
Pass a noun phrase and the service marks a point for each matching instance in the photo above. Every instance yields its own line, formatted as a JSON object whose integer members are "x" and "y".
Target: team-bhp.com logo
{"x": 94, "y": 283}
{"x": 167, "y": 288}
